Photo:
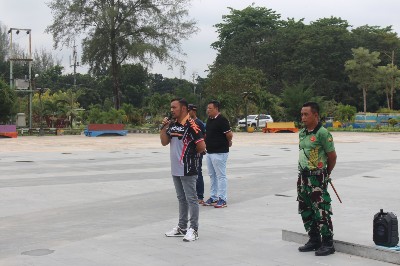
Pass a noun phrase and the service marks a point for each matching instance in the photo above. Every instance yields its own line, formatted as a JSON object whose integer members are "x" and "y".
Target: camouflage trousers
{"x": 315, "y": 203}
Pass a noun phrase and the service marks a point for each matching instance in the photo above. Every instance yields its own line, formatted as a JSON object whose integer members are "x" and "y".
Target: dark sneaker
{"x": 176, "y": 231}
{"x": 311, "y": 245}
{"x": 210, "y": 202}
{"x": 191, "y": 235}
{"x": 220, "y": 204}
{"x": 326, "y": 248}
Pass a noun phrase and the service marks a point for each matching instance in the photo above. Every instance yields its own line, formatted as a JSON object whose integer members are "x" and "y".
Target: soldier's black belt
{"x": 306, "y": 173}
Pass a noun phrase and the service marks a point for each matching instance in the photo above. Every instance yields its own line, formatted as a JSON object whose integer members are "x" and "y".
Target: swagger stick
{"x": 334, "y": 189}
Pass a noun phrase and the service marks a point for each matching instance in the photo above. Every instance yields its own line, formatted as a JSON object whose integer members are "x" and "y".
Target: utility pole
{"x": 245, "y": 95}
{"x": 74, "y": 62}
{"x": 393, "y": 82}
{"x": 194, "y": 74}
{"x": 14, "y": 57}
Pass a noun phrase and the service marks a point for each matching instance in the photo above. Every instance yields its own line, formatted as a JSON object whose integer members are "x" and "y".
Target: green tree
{"x": 133, "y": 114}
{"x": 243, "y": 33}
{"x": 114, "y": 116}
{"x": 266, "y": 102}
{"x": 134, "y": 84}
{"x": 4, "y": 43}
{"x": 381, "y": 39}
{"x": 325, "y": 44}
{"x": 230, "y": 84}
{"x": 388, "y": 79}
{"x": 50, "y": 78}
{"x": 69, "y": 99}
{"x": 7, "y": 102}
{"x": 158, "y": 105}
{"x": 393, "y": 122}
{"x": 345, "y": 113}
{"x": 116, "y": 31}
{"x": 94, "y": 114}
{"x": 362, "y": 70}
{"x": 43, "y": 60}
{"x": 52, "y": 110}
{"x": 329, "y": 109}
{"x": 294, "y": 96}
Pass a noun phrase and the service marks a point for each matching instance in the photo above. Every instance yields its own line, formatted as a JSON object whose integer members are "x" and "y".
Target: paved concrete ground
{"x": 74, "y": 200}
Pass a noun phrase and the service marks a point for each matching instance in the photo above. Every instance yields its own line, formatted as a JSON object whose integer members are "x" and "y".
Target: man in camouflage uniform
{"x": 317, "y": 158}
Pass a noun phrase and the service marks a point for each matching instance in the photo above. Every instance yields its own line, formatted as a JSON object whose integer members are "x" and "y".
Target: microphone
{"x": 169, "y": 116}
{"x": 169, "y": 120}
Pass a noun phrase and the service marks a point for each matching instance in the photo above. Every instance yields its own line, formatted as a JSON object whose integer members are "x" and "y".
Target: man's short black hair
{"x": 314, "y": 106}
{"x": 182, "y": 101}
{"x": 216, "y": 104}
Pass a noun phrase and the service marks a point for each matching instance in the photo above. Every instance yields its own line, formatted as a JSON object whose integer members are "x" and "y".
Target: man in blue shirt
{"x": 200, "y": 180}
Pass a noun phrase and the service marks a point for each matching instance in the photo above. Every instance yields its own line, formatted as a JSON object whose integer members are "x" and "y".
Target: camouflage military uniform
{"x": 312, "y": 184}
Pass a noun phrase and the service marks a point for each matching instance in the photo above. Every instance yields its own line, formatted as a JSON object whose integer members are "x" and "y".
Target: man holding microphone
{"x": 186, "y": 143}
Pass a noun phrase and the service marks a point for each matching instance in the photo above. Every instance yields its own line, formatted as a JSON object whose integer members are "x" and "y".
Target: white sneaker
{"x": 191, "y": 235}
{"x": 176, "y": 231}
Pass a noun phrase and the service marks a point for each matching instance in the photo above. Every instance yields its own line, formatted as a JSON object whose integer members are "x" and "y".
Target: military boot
{"x": 313, "y": 243}
{"x": 326, "y": 248}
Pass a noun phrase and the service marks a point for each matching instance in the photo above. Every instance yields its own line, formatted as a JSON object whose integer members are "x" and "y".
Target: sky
{"x": 35, "y": 15}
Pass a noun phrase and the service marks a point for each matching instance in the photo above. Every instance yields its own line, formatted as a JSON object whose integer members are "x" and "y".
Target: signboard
{"x": 21, "y": 84}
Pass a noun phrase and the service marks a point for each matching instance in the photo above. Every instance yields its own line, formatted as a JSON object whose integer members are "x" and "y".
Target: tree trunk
{"x": 365, "y": 99}
{"x": 393, "y": 81}
{"x": 114, "y": 62}
{"x": 391, "y": 94}
{"x": 387, "y": 99}
{"x": 115, "y": 74}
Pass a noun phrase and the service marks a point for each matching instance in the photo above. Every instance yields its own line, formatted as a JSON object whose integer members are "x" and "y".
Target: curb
{"x": 370, "y": 252}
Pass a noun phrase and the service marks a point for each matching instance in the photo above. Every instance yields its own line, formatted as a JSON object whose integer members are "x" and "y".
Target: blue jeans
{"x": 200, "y": 180}
{"x": 216, "y": 164}
{"x": 185, "y": 187}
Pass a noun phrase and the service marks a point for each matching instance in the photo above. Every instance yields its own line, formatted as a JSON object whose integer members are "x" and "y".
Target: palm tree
{"x": 70, "y": 102}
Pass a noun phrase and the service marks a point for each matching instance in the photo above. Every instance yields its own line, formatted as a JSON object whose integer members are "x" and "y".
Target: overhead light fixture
{"x": 9, "y": 31}
{"x": 17, "y": 32}
{"x": 28, "y": 31}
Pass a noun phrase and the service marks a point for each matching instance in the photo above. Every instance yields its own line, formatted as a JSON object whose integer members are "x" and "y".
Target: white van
{"x": 255, "y": 121}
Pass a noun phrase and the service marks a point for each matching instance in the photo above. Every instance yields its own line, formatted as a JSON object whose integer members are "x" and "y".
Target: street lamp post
{"x": 40, "y": 91}
{"x": 41, "y": 131}
{"x": 245, "y": 95}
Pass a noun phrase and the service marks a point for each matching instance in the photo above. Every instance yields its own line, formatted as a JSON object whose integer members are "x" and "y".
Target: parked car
{"x": 255, "y": 121}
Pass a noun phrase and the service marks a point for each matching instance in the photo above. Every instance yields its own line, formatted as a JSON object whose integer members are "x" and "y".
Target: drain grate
{"x": 24, "y": 161}
{"x": 370, "y": 176}
{"x": 282, "y": 195}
